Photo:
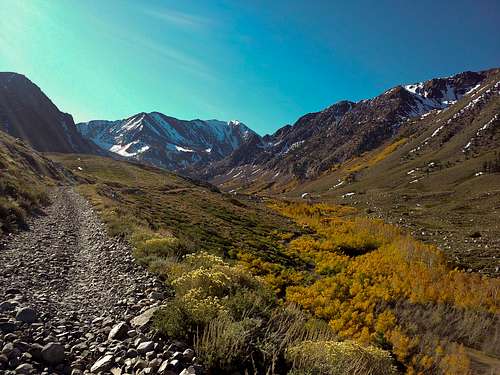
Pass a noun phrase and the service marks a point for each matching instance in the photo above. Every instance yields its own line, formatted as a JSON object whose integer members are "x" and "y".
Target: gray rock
{"x": 155, "y": 363}
{"x": 188, "y": 371}
{"x": 132, "y": 353}
{"x": 140, "y": 364}
{"x": 25, "y": 368}
{"x": 53, "y": 353}
{"x": 119, "y": 332}
{"x": 145, "y": 347}
{"x": 103, "y": 364}
{"x": 188, "y": 354}
{"x": 145, "y": 318}
{"x": 6, "y": 306}
{"x": 165, "y": 369}
{"x": 7, "y": 327}
{"x": 8, "y": 348}
{"x": 26, "y": 315}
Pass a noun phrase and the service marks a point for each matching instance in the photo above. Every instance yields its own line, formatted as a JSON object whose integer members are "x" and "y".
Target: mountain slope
{"x": 165, "y": 141}
{"x": 24, "y": 179}
{"x": 27, "y": 113}
{"x": 319, "y": 141}
{"x": 439, "y": 177}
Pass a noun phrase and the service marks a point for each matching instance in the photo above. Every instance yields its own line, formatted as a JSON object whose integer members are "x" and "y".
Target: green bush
{"x": 174, "y": 320}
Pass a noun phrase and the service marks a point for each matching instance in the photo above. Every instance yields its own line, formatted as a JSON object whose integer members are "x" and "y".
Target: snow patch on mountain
{"x": 166, "y": 141}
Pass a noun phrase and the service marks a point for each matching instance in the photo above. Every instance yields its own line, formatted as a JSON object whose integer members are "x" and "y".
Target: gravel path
{"x": 65, "y": 282}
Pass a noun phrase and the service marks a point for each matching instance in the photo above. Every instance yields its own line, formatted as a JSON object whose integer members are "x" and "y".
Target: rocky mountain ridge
{"x": 27, "y": 113}
{"x": 319, "y": 141}
{"x": 165, "y": 141}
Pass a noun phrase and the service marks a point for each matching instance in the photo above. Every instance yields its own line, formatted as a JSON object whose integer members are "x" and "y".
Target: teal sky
{"x": 263, "y": 62}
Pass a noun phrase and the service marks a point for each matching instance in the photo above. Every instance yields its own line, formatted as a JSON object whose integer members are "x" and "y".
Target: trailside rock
{"x": 6, "y": 306}
{"x": 53, "y": 353}
{"x": 103, "y": 364}
{"x": 26, "y": 315}
{"x": 119, "y": 332}
{"x": 25, "y": 368}
{"x": 145, "y": 347}
{"x": 145, "y": 318}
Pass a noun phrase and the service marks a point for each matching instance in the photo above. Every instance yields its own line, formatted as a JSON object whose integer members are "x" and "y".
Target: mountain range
{"x": 165, "y": 141}
{"x": 320, "y": 141}
{"x": 373, "y": 221}
{"x": 230, "y": 154}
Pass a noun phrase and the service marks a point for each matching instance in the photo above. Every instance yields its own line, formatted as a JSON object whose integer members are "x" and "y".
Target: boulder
{"x": 145, "y": 347}
{"x": 103, "y": 364}
{"x": 53, "y": 353}
{"x": 188, "y": 354}
{"x": 7, "y": 327}
{"x": 145, "y": 318}
{"x": 188, "y": 371}
{"x": 25, "y": 368}
{"x": 119, "y": 332}
{"x": 26, "y": 315}
{"x": 6, "y": 306}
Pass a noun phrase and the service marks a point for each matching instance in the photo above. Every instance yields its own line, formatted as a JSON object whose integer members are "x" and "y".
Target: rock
{"x": 6, "y": 306}
{"x": 7, "y": 349}
{"x": 156, "y": 295}
{"x": 119, "y": 332}
{"x": 26, "y": 315}
{"x": 155, "y": 363}
{"x": 36, "y": 352}
{"x": 166, "y": 369}
{"x": 145, "y": 318}
{"x": 188, "y": 371}
{"x": 175, "y": 364}
{"x": 132, "y": 353}
{"x": 145, "y": 347}
{"x": 103, "y": 364}
{"x": 53, "y": 353}
{"x": 7, "y": 327}
{"x": 25, "y": 368}
{"x": 188, "y": 354}
{"x": 140, "y": 364}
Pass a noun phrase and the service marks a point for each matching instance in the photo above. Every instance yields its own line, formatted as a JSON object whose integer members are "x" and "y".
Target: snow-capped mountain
{"x": 165, "y": 141}
{"x": 319, "y": 141}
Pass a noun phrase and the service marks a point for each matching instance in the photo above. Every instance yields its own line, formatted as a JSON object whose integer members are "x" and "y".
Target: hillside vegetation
{"x": 24, "y": 180}
{"x": 294, "y": 287}
{"x": 192, "y": 235}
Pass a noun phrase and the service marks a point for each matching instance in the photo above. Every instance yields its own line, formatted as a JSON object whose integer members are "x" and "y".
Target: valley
{"x": 362, "y": 239}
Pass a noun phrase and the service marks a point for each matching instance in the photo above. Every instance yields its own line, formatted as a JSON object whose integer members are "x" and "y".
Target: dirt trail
{"x": 78, "y": 283}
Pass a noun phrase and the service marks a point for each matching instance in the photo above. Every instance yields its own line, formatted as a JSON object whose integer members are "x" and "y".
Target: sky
{"x": 262, "y": 62}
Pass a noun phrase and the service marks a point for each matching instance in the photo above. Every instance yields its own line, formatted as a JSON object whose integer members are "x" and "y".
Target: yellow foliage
{"x": 381, "y": 155}
{"x": 359, "y": 264}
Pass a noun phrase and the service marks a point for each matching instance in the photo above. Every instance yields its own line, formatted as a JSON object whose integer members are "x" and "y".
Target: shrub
{"x": 163, "y": 247}
{"x": 225, "y": 345}
{"x": 174, "y": 320}
{"x": 11, "y": 216}
{"x": 338, "y": 358}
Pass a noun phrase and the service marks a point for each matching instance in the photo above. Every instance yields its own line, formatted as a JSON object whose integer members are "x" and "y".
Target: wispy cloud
{"x": 181, "y": 19}
{"x": 140, "y": 41}
{"x": 175, "y": 55}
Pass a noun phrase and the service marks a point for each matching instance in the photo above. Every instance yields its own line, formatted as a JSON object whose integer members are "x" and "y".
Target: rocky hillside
{"x": 439, "y": 177}
{"x": 27, "y": 113}
{"x": 25, "y": 177}
{"x": 319, "y": 141}
{"x": 167, "y": 142}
